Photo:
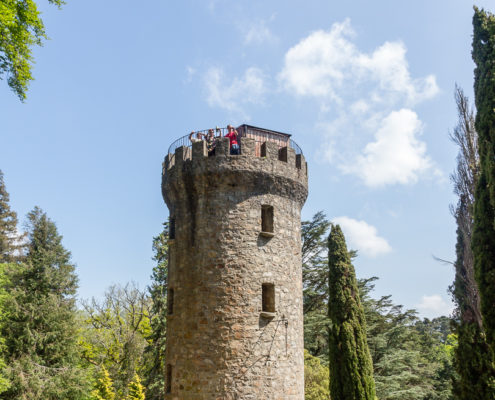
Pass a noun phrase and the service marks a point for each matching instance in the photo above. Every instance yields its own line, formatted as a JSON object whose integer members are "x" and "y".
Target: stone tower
{"x": 235, "y": 307}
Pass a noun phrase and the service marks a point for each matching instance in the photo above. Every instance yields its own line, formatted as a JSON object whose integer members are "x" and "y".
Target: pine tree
{"x": 8, "y": 226}
{"x": 351, "y": 368}
{"x": 136, "y": 389}
{"x": 155, "y": 352}
{"x": 40, "y": 330}
{"x": 103, "y": 387}
{"x": 483, "y": 241}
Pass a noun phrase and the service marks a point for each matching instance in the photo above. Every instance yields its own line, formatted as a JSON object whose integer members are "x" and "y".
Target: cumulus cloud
{"x": 363, "y": 237}
{"x": 321, "y": 64}
{"x": 396, "y": 155}
{"x": 434, "y": 306}
{"x": 374, "y": 133}
{"x": 316, "y": 66}
{"x": 234, "y": 94}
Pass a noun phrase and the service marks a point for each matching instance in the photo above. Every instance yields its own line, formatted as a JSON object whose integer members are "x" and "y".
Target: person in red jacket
{"x": 232, "y": 135}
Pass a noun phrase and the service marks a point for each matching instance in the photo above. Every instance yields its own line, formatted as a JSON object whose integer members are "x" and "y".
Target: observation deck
{"x": 259, "y": 135}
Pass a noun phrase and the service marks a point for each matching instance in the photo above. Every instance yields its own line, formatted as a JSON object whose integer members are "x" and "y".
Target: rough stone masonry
{"x": 235, "y": 320}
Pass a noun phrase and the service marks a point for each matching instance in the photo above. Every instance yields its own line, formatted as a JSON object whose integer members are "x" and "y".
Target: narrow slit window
{"x": 267, "y": 218}
{"x": 168, "y": 388}
{"x": 170, "y": 301}
{"x": 171, "y": 229}
{"x": 268, "y": 297}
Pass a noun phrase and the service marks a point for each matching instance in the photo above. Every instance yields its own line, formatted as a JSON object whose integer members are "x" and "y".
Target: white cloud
{"x": 388, "y": 65}
{"x": 396, "y": 155}
{"x": 363, "y": 237}
{"x": 259, "y": 33}
{"x": 234, "y": 95}
{"x": 316, "y": 66}
{"x": 325, "y": 61}
{"x": 434, "y": 306}
{"x": 374, "y": 134}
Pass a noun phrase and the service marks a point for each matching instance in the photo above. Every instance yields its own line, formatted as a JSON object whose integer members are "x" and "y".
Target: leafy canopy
{"x": 21, "y": 28}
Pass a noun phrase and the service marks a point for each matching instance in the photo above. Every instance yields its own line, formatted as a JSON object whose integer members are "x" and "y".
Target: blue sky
{"x": 365, "y": 88}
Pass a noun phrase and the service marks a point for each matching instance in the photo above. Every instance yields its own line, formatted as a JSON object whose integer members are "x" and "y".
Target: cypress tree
{"x": 351, "y": 368}
{"x": 40, "y": 327}
{"x": 472, "y": 359}
{"x": 483, "y": 241}
{"x": 8, "y": 225}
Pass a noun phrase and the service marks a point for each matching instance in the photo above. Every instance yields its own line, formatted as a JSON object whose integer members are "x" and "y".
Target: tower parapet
{"x": 235, "y": 323}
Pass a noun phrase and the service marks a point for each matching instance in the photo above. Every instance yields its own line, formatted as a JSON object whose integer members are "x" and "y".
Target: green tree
{"x": 40, "y": 327}
{"x": 410, "y": 357}
{"x": 315, "y": 285}
{"x": 4, "y": 380}
{"x": 116, "y": 333}
{"x": 8, "y": 225}
{"x": 21, "y": 28}
{"x": 136, "y": 389}
{"x": 351, "y": 368}
{"x": 483, "y": 240}
{"x": 155, "y": 351}
{"x": 103, "y": 386}
{"x": 316, "y": 381}
{"x": 472, "y": 359}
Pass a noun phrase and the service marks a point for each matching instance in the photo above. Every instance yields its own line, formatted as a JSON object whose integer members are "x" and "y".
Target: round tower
{"x": 235, "y": 306}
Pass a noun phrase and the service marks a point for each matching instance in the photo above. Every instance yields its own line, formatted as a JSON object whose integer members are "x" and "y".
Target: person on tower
{"x": 232, "y": 135}
{"x": 198, "y": 137}
{"x": 211, "y": 142}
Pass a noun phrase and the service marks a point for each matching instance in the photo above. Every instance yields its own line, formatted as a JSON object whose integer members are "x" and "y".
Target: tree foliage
{"x": 316, "y": 378}
{"x": 4, "y": 380}
{"x": 103, "y": 386}
{"x": 155, "y": 351}
{"x": 8, "y": 226}
{"x": 407, "y": 365}
{"x": 483, "y": 241}
{"x": 116, "y": 333}
{"x": 21, "y": 28}
{"x": 136, "y": 389}
{"x": 351, "y": 368}
{"x": 40, "y": 329}
{"x": 410, "y": 357}
{"x": 472, "y": 358}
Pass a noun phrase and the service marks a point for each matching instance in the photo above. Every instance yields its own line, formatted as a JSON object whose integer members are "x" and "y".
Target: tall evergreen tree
{"x": 40, "y": 330}
{"x": 351, "y": 368}
{"x": 155, "y": 352}
{"x": 483, "y": 241}
{"x": 472, "y": 358}
{"x": 8, "y": 226}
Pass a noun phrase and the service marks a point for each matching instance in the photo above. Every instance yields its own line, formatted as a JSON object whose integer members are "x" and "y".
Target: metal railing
{"x": 260, "y": 136}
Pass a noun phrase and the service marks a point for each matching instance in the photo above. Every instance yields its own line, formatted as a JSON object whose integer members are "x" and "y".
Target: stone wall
{"x": 220, "y": 345}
